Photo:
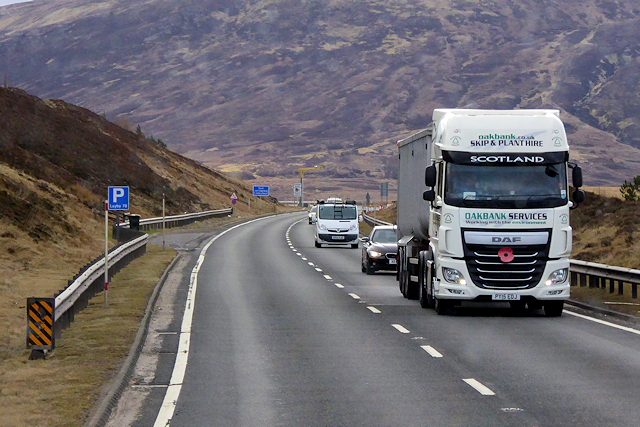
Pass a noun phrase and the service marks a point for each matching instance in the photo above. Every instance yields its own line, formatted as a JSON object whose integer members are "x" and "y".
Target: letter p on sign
{"x": 118, "y": 198}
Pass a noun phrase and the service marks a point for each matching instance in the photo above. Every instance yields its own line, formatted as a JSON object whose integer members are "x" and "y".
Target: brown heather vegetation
{"x": 56, "y": 162}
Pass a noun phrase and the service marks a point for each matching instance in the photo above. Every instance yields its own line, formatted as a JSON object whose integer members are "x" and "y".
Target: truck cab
{"x": 493, "y": 221}
{"x": 337, "y": 224}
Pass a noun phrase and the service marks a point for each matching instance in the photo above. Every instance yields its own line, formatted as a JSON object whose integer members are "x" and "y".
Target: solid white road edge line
{"x": 400, "y": 328}
{"x": 432, "y": 351}
{"x": 480, "y": 388}
{"x": 180, "y": 366}
{"x": 603, "y": 322}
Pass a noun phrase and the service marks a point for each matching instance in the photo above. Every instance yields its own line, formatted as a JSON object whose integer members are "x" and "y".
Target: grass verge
{"x": 61, "y": 390}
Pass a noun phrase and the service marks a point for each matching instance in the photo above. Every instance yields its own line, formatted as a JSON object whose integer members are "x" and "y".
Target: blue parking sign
{"x": 118, "y": 198}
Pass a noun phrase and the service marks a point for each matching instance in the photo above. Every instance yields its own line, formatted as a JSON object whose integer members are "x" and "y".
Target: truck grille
{"x": 489, "y": 272}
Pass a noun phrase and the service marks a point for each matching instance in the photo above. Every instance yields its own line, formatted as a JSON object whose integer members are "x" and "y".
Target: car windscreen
{"x": 337, "y": 212}
{"x": 384, "y": 236}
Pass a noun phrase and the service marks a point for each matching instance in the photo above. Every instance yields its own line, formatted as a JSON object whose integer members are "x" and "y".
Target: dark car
{"x": 380, "y": 249}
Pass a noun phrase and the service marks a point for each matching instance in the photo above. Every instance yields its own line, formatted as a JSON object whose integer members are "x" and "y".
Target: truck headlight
{"x": 557, "y": 277}
{"x": 452, "y": 275}
{"x": 375, "y": 254}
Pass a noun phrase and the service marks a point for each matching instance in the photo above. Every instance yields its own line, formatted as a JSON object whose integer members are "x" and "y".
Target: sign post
{"x": 163, "y": 221}
{"x": 106, "y": 252}
{"x": 118, "y": 201}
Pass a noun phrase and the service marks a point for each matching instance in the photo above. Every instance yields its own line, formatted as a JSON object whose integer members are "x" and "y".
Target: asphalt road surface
{"x": 285, "y": 334}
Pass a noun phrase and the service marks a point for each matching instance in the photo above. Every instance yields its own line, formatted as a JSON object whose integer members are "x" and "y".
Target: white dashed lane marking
{"x": 432, "y": 351}
{"x": 400, "y": 328}
{"x": 480, "y": 388}
{"x": 374, "y": 310}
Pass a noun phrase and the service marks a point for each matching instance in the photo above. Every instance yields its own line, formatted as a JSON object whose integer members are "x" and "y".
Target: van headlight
{"x": 353, "y": 227}
{"x": 558, "y": 277}
{"x": 452, "y": 275}
{"x": 322, "y": 226}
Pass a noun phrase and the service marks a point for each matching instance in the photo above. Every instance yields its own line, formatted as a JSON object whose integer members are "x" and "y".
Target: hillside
{"x": 56, "y": 161}
{"x": 261, "y": 89}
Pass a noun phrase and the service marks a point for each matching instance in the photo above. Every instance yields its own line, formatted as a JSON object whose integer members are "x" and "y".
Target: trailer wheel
{"x": 553, "y": 308}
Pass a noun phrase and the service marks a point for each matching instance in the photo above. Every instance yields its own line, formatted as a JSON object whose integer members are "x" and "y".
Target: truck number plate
{"x": 392, "y": 261}
{"x": 338, "y": 237}
{"x": 506, "y": 297}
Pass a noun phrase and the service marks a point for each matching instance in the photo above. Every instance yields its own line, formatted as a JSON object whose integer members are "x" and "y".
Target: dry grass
{"x": 61, "y": 390}
{"x": 613, "y": 192}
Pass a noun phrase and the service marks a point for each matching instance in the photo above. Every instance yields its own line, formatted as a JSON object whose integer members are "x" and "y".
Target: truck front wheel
{"x": 442, "y": 307}
{"x": 425, "y": 279}
{"x": 553, "y": 308}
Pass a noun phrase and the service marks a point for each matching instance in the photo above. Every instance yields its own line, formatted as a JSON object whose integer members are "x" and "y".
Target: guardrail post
{"x": 620, "y": 287}
{"x": 634, "y": 290}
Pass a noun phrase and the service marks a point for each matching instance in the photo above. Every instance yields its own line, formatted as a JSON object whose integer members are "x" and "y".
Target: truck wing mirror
{"x": 429, "y": 195}
{"x": 577, "y": 177}
{"x": 578, "y": 196}
{"x": 430, "y": 176}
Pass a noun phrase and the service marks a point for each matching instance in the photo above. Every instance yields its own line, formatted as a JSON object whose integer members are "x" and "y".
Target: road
{"x": 286, "y": 334}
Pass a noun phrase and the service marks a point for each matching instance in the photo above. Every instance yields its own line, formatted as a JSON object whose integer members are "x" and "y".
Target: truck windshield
{"x": 540, "y": 186}
{"x": 337, "y": 212}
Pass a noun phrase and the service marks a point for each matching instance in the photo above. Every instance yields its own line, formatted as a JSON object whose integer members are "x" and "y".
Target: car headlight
{"x": 557, "y": 277}
{"x": 323, "y": 227}
{"x": 452, "y": 275}
{"x": 375, "y": 254}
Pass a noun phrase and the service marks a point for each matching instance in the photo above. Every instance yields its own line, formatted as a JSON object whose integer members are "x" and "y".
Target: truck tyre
{"x": 442, "y": 306}
{"x": 553, "y": 308}
{"x": 425, "y": 280}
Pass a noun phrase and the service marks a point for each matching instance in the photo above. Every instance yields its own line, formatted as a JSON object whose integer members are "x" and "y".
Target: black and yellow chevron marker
{"x": 40, "y": 315}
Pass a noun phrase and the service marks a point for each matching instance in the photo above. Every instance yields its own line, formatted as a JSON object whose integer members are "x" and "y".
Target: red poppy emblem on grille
{"x": 506, "y": 254}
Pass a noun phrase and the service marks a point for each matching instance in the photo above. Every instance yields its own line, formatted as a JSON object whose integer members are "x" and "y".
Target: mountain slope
{"x": 262, "y": 88}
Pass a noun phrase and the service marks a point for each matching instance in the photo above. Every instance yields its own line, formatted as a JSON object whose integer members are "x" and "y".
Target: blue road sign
{"x": 259, "y": 190}
{"x": 118, "y": 198}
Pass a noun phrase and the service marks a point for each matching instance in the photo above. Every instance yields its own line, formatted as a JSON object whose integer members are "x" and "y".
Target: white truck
{"x": 483, "y": 210}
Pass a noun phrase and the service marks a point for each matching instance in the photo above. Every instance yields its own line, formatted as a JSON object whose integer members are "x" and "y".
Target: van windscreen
{"x": 337, "y": 212}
